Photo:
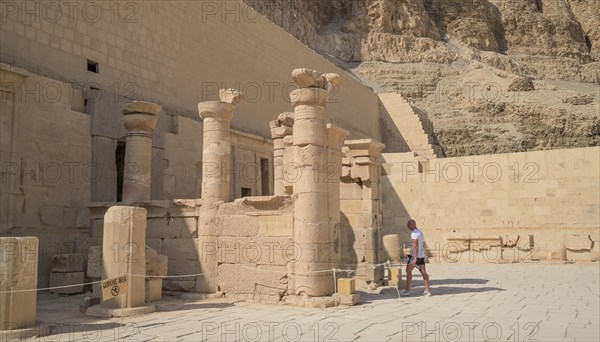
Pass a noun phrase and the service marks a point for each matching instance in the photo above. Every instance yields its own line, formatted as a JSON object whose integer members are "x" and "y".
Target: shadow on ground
{"x": 437, "y": 289}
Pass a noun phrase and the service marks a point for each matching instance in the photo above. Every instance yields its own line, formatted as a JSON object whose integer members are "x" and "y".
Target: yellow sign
{"x": 114, "y": 287}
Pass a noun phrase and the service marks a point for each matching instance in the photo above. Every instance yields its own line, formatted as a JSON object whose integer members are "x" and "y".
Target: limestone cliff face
{"x": 541, "y": 27}
{"x": 415, "y": 46}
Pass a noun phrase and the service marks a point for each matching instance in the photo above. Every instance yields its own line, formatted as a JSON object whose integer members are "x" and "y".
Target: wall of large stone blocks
{"x": 45, "y": 159}
{"x": 548, "y": 194}
{"x": 176, "y": 53}
{"x": 253, "y": 247}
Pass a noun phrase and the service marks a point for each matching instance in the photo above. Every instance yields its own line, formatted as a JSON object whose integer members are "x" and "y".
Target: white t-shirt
{"x": 416, "y": 234}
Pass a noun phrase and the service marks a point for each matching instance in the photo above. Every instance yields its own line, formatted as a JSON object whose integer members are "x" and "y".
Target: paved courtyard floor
{"x": 508, "y": 302}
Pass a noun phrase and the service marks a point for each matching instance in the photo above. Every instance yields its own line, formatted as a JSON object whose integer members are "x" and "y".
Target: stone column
{"x": 312, "y": 233}
{"x": 280, "y": 128}
{"x": 336, "y": 137}
{"x": 140, "y": 120}
{"x": 216, "y": 180}
{"x": 18, "y": 272}
{"x": 216, "y": 153}
{"x": 124, "y": 252}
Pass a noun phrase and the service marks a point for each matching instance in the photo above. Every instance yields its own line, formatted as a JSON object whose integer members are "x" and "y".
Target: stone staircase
{"x": 415, "y": 130}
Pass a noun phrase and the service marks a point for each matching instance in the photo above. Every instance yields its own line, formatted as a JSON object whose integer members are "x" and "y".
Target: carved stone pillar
{"x": 140, "y": 120}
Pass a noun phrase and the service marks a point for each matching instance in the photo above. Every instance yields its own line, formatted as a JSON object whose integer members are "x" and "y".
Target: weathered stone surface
{"x": 395, "y": 275}
{"x": 125, "y": 238}
{"x": 521, "y": 84}
{"x": 153, "y": 289}
{"x": 67, "y": 263}
{"x": 346, "y": 299}
{"x": 245, "y": 278}
{"x": 391, "y": 247}
{"x": 66, "y": 279}
{"x": 18, "y": 271}
{"x": 346, "y": 286}
{"x": 307, "y": 78}
{"x": 94, "y": 265}
{"x": 230, "y": 96}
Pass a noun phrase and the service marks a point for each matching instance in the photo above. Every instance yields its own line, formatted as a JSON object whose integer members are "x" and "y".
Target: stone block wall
{"x": 253, "y": 247}
{"x": 45, "y": 164}
{"x": 538, "y": 199}
{"x": 151, "y": 51}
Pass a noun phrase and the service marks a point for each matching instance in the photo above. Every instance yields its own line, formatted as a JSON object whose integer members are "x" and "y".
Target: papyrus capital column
{"x": 139, "y": 120}
{"x": 216, "y": 153}
{"x": 312, "y": 230}
{"x": 280, "y": 128}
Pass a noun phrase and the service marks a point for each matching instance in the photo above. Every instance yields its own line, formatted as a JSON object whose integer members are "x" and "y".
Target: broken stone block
{"x": 58, "y": 279}
{"x": 18, "y": 271}
{"x": 391, "y": 247}
{"x": 346, "y": 299}
{"x": 307, "y": 78}
{"x": 67, "y": 263}
{"x": 94, "y": 263}
{"x": 346, "y": 286}
{"x": 153, "y": 289}
{"x": 230, "y": 96}
{"x": 395, "y": 275}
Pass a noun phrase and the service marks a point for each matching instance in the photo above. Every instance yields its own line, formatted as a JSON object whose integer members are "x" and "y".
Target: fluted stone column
{"x": 140, "y": 120}
{"x": 336, "y": 136}
{"x": 216, "y": 180}
{"x": 312, "y": 232}
{"x": 280, "y": 128}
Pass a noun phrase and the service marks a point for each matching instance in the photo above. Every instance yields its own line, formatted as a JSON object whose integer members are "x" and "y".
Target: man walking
{"x": 416, "y": 259}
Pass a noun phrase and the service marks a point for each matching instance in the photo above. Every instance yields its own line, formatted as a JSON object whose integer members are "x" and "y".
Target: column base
{"x": 104, "y": 312}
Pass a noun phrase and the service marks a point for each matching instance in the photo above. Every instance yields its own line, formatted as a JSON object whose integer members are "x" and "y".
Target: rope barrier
{"x": 99, "y": 281}
{"x": 334, "y": 270}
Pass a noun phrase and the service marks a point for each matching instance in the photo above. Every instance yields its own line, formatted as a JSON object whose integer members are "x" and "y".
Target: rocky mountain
{"x": 492, "y": 76}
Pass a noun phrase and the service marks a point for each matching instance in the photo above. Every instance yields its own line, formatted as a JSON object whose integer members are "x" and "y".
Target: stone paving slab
{"x": 511, "y": 302}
